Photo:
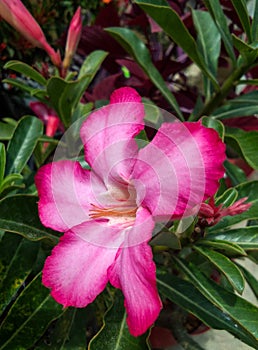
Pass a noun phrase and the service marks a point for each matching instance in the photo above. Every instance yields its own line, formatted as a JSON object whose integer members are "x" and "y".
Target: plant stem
{"x": 219, "y": 96}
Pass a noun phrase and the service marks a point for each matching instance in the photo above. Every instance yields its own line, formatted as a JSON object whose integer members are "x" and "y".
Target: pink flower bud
{"x": 16, "y": 14}
{"x": 73, "y": 38}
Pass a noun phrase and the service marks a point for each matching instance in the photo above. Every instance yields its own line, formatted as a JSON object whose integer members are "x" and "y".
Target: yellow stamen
{"x": 97, "y": 212}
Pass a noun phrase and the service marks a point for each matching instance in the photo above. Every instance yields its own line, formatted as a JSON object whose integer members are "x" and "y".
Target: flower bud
{"x": 73, "y": 38}
{"x": 16, "y": 14}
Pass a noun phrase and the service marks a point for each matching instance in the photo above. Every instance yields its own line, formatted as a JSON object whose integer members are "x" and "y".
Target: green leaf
{"x": 247, "y": 52}
{"x": 225, "y": 266}
{"x": 65, "y": 95}
{"x": 246, "y": 238}
{"x": 208, "y": 42}
{"x": 242, "y": 12}
{"x": 168, "y": 20}
{"x": 11, "y": 182}
{"x": 251, "y": 280}
{"x": 68, "y": 332}
{"x": 215, "y": 124}
{"x": 29, "y": 316}
{"x": 236, "y": 174}
{"x": 114, "y": 335}
{"x": 137, "y": 49}
{"x": 27, "y": 70}
{"x": 229, "y": 303}
{"x": 248, "y": 189}
{"x": 22, "y": 144}
{"x": 2, "y": 161}
{"x": 225, "y": 246}
{"x": 14, "y": 271}
{"x": 244, "y": 105}
{"x": 6, "y": 131}
{"x": 254, "y": 27}
{"x": 91, "y": 65}
{"x": 186, "y": 295}
{"x": 25, "y": 221}
{"x": 227, "y": 198}
{"x": 246, "y": 142}
{"x": 215, "y": 9}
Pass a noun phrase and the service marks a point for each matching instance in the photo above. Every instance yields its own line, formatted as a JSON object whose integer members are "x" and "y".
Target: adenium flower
{"x": 210, "y": 214}
{"x": 73, "y": 38}
{"x": 108, "y": 213}
{"x": 16, "y": 14}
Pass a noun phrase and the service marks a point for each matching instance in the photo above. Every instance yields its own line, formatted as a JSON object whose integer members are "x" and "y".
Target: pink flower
{"x": 108, "y": 213}
{"x": 73, "y": 38}
{"x": 16, "y": 14}
{"x": 210, "y": 214}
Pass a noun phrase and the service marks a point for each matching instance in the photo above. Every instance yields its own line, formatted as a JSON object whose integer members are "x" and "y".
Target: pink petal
{"x": 65, "y": 193}
{"x": 76, "y": 271}
{"x": 178, "y": 169}
{"x": 108, "y": 133}
{"x": 134, "y": 272}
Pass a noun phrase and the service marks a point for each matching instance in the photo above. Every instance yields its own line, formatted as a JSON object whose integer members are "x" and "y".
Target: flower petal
{"x": 134, "y": 272}
{"x": 108, "y": 133}
{"x": 65, "y": 194}
{"x": 178, "y": 169}
{"x": 76, "y": 271}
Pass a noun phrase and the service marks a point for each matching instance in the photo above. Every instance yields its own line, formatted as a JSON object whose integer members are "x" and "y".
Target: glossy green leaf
{"x": 225, "y": 246}
{"x": 2, "y": 161}
{"x": 246, "y": 142}
{"x": 6, "y": 131}
{"x": 26, "y": 70}
{"x": 227, "y": 198}
{"x": 11, "y": 182}
{"x": 22, "y": 143}
{"x": 29, "y": 316}
{"x": 65, "y": 95}
{"x": 168, "y": 20}
{"x": 114, "y": 335}
{"x": 247, "y": 52}
{"x": 244, "y": 105}
{"x": 25, "y": 221}
{"x": 225, "y": 266}
{"x": 14, "y": 271}
{"x": 254, "y": 27}
{"x": 220, "y": 19}
{"x": 229, "y": 303}
{"x": 235, "y": 173}
{"x": 137, "y": 49}
{"x": 248, "y": 189}
{"x": 186, "y": 295}
{"x": 215, "y": 124}
{"x": 91, "y": 65}
{"x": 19, "y": 84}
{"x": 68, "y": 332}
{"x": 250, "y": 279}
{"x": 242, "y": 12}
{"x": 208, "y": 42}
{"x": 246, "y": 238}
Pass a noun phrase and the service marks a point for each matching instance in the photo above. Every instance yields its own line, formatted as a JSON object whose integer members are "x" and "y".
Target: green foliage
{"x": 136, "y": 48}
{"x": 114, "y": 334}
